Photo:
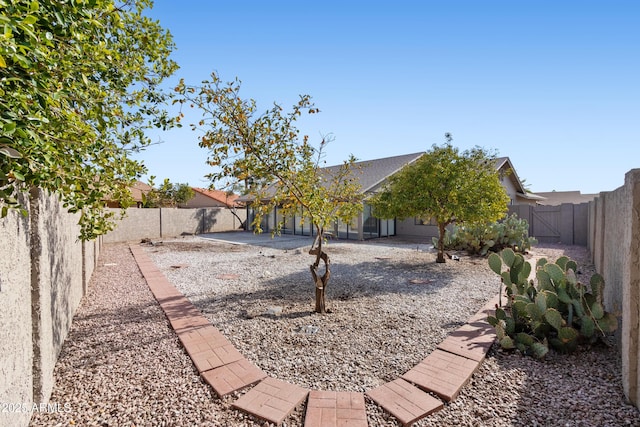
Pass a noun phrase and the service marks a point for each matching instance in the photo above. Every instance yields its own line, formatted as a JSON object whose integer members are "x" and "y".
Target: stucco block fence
{"x": 172, "y": 222}
{"x": 614, "y": 243}
{"x": 44, "y": 272}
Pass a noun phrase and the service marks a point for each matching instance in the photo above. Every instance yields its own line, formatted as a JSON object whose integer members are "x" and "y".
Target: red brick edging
{"x": 444, "y": 372}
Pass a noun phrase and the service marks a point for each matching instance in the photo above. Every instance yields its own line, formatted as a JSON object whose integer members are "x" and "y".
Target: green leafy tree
{"x": 279, "y": 169}
{"x": 79, "y": 85}
{"x": 167, "y": 195}
{"x": 181, "y": 193}
{"x": 448, "y": 186}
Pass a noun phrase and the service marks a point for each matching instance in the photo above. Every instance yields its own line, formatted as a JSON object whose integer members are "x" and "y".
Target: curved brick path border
{"x": 443, "y": 373}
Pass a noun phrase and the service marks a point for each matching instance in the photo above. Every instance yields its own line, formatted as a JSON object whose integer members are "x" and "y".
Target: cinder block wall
{"x": 172, "y": 222}
{"x": 613, "y": 256}
{"x": 44, "y": 270}
{"x": 176, "y": 222}
{"x": 56, "y": 284}
{"x": 615, "y": 250}
{"x": 16, "y": 350}
{"x": 137, "y": 224}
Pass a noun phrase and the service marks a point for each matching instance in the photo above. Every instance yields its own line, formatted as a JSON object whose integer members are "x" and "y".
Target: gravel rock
{"x": 390, "y": 303}
{"x": 122, "y": 364}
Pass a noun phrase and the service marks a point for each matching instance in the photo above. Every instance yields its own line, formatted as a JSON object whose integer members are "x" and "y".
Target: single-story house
{"x": 372, "y": 177}
{"x": 204, "y": 198}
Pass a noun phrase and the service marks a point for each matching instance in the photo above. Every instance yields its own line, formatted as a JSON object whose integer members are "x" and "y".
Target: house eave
{"x": 530, "y": 196}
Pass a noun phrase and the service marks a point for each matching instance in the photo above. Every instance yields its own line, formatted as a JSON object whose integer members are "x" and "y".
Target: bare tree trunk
{"x": 320, "y": 281}
{"x": 442, "y": 231}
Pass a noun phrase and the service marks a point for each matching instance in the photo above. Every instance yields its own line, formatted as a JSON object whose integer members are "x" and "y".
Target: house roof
{"x": 505, "y": 163}
{"x": 368, "y": 173}
{"x": 371, "y": 173}
{"x": 218, "y": 195}
{"x": 138, "y": 189}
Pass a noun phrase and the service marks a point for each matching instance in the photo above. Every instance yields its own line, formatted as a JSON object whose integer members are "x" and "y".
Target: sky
{"x": 553, "y": 85}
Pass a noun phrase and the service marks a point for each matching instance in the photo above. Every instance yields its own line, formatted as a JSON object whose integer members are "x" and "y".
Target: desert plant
{"x": 482, "y": 238}
{"x": 558, "y": 311}
{"x": 444, "y": 185}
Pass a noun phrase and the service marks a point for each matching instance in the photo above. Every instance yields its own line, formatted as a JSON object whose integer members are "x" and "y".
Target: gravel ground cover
{"x": 391, "y": 304}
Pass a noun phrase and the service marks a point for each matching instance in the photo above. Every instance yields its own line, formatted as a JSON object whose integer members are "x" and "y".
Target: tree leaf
{"x": 29, "y": 20}
{"x": 10, "y": 152}
{"x": 92, "y": 100}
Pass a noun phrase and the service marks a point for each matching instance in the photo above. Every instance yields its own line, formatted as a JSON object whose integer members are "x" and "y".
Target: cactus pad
{"x": 495, "y": 262}
{"x": 554, "y": 318}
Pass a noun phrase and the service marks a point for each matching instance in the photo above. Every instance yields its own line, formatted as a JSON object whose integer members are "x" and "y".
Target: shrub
{"x": 482, "y": 238}
{"x": 557, "y": 312}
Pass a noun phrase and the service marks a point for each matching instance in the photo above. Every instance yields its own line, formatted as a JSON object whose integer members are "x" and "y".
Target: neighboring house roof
{"x": 219, "y": 196}
{"x": 554, "y": 198}
{"x": 138, "y": 189}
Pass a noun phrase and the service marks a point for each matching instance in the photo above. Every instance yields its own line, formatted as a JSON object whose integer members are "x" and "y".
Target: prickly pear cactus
{"x": 481, "y": 239}
{"x": 557, "y": 312}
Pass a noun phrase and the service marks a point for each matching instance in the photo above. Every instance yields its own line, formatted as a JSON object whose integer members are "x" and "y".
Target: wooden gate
{"x": 567, "y": 223}
{"x": 545, "y": 223}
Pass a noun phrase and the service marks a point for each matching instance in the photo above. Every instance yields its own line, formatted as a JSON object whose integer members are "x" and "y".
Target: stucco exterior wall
{"x": 408, "y": 228}
{"x": 199, "y": 200}
{"x": 16, "y": 351}
{"x": 510, "y": 188}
